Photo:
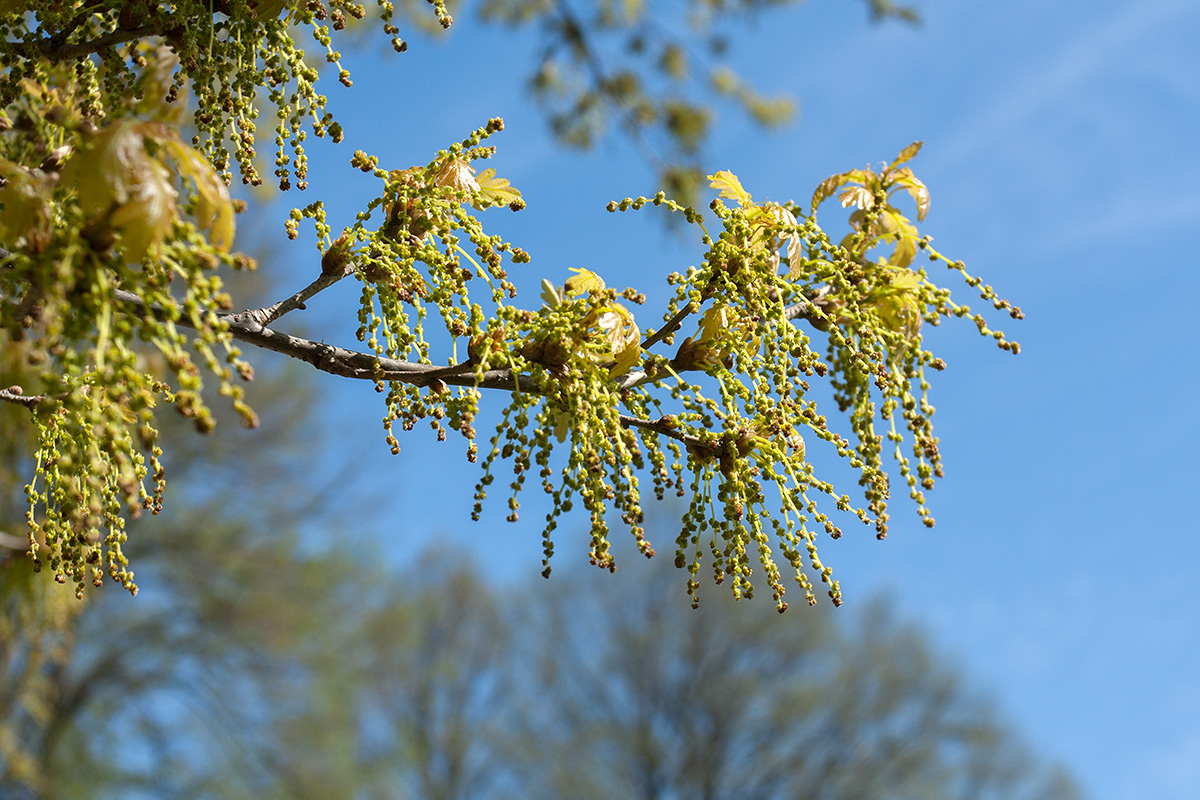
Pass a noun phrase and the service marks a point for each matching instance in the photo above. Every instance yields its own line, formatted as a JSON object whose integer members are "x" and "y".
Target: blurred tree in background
{"x": 317, "y": 680}
{"x": 645, "y": 699}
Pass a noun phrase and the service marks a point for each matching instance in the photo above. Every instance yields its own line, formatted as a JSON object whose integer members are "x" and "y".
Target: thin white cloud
{"x": 1145, "y": 211}
{"x": 1044, "y": 84}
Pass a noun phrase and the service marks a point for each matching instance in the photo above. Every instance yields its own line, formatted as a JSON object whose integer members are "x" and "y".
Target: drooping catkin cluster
{"x": 113, "y": 228}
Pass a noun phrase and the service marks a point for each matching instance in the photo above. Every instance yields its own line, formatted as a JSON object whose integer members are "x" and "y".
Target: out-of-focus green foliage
{"x": 650, "y": 70}
{"x": 632, "y": 695}
{"x": 318, "y": 678}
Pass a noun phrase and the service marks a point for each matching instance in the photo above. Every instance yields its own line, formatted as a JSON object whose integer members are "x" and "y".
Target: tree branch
{"x": 10, "y": 541}
{"x": 812, "y": 309}
{"x": 340, "y": 361}
{"x": 669, "y": 327}
{"x": 367, "y": 366}
{"x": 55, "y": 48}
{"x": 667, "y": 426}
{"x": 268, "y": 314}
{"x": 14, "y": 395}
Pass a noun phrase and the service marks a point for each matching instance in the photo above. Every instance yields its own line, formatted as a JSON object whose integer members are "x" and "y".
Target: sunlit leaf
{"x": 858, "y": 196}
{"x": 584, "y": 281}
{"x": 728, "y": 185}
{"x": 831, "y": 185}
{"x": 457, "y": 173}
{"x": 904, "y": 253}
{"x": 907, "y": 154}
{"x": 920, "y": 194}
{"x": 214, "y": 209}
{"x": 550, "y": 294}
{"x": 897, "y": 301}
{"x": 715, "y": 323}
{"x": 624, "y": 337}
{"x": 785, "y": 435}
{"x": 711, "y": 322}
{"x": 626, "y": 359}
{"x": 795, "y": 254}
{"x": 496, "y": 190}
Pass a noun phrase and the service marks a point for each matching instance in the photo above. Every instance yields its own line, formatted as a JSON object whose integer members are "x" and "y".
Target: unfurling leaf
{"x": 550, "y": 294}
{"x": 583, "y": 281}
{"x": 214, "y": 209}
{"x": 711, "y": 344}
{"x": 895, "y": 223}
{"x": 920, "y": 194}
{"x": 624, "y": 338}
{"x": 831, "y": 185}
{"x": 858, "y": 196}
{"x": 119, "y": 184}
{"x": 728, "y": 185}
{"x": 795, "y": 254}
{"x": 337, "y": 257}
{"x": 496, "y": 190}
{"x": 897, "y": 301}
{"x": 457, "y": 173}
{"x": 907, "y": 154}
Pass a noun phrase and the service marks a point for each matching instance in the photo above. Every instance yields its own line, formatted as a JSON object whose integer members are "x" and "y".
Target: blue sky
{"x": 1061, "y": 157}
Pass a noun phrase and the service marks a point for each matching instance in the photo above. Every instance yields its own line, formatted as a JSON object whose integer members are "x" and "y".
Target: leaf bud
{"x": 337, "y": 257}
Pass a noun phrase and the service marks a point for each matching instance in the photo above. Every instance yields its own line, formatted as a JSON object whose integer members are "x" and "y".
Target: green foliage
{"x": 637, "y": 691}
{"x": 319, "y": 678}
{"x": 670, "y": 56}
{"x": 115, "y": 230}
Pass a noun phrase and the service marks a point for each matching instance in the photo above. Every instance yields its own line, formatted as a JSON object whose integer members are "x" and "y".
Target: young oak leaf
{"x": 120, "y": 185}
{"x": 905, "y": 179}
{"x": 831, "y": 184}
{"x": 498, "y": 191}
{"x": 457, "y": 173}
{"x": 776, "y": 222}
{"x": 550, "y": 295}
{"x": 907, "y": 154}
{"x": 623, "y": 336}
{"x": 728, "y": 185}
{"x": 767, "y": 431}
{"x": 897, "y": 224}
{"x": 213, "y": 208}
{"x": 710, "y": 346}
{"x": 584, "y": 280}
{"x": 858, "y": 196}
{"x": 897, "y": 301}
{"x": 616, "y": 324}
